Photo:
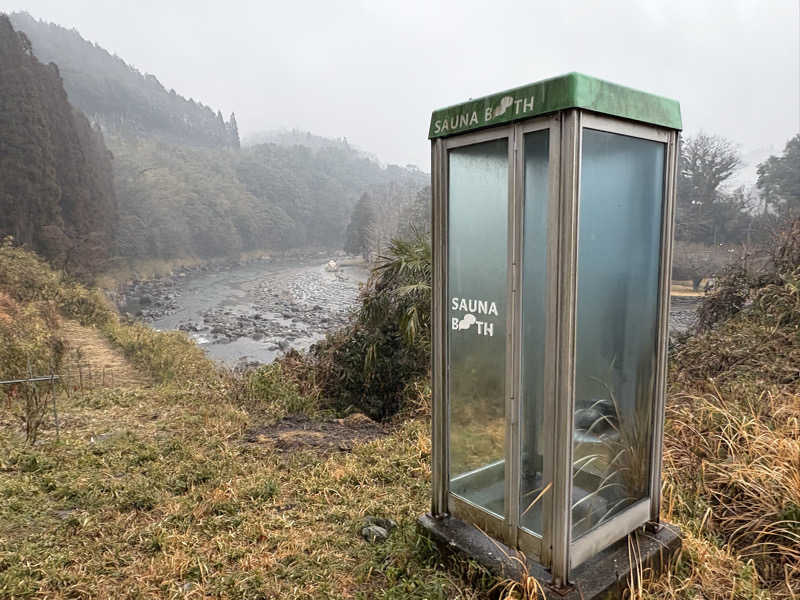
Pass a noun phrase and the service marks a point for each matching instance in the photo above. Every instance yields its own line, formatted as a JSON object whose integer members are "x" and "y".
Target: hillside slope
{"x": 118, "y": 96}
{"x": 56, "y": 192}
{"x": 243, "y": 485}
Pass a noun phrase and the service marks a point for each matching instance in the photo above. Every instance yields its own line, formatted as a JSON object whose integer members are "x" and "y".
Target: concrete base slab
{"x": 602, "y": 577}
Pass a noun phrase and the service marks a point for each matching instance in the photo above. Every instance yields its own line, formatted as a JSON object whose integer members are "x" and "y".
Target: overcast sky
{"x": 372, "y": 71}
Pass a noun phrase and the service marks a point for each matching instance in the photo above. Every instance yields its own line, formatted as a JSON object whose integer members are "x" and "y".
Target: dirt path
{"x": 92, "y": 361}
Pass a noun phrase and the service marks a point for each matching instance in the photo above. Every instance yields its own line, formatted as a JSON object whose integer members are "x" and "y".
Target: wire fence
{"x": 31, "y": 398}
{"x": 35, "y": 398}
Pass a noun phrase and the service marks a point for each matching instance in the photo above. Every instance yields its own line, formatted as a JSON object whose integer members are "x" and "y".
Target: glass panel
{"x": 478, "y": 199}
{"x": 534, "y": 321}
{"x": 617, "y": 309}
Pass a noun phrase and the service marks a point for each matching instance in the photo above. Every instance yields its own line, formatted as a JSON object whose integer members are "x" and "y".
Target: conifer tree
{"x": 360, "y": 230}
{"x": 233, "y": 130}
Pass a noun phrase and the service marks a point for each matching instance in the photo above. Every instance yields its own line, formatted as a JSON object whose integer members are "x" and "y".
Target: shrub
{"x": 368, "y": 364}
{"x": 740, "y": 282}
{"x": 730, "y": 294}
{"x": 271, "y": 387}
{"x": 786, "y": 248}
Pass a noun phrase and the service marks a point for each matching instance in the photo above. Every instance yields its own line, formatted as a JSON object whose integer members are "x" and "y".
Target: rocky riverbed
{"x": 682, "y": 313}
{"x": 251, "y": 313}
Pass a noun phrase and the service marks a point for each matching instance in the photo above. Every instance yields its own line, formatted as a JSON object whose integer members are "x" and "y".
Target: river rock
{"x": 387, "y": 524}
{"x": 374, "y": 534}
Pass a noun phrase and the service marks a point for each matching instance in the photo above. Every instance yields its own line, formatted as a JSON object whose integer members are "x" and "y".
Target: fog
{"x": 373, "y": 71}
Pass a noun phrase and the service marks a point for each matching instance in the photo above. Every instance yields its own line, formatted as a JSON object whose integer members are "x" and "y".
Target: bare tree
{"x": 707, "y": 162}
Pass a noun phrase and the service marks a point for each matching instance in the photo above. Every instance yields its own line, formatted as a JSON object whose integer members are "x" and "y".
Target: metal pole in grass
{"x": 30, "y": 431}
{"x": 53, "y": 395}
{"x": 33, "y": 407}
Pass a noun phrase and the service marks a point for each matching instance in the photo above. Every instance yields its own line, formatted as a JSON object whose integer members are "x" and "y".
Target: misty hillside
{"x": 182, "y": 201}
{"x": 293, "y": 137}
{"x": 183, "y": 186}
{"x": 298, "y": 137}
{"x": 56, "y": 192}
{"x": 118, "y": 96}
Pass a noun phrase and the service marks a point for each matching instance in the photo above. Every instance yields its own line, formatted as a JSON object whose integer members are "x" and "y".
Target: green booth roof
{"x": 572, "y": 90}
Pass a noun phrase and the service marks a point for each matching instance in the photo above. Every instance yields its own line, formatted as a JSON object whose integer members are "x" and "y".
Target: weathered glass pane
{"x": 534, "y": 321}
{"x": 478, "y": 223}
{"x": 619, "y": 228}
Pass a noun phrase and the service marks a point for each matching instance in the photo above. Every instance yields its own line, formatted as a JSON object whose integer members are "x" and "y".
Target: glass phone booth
{"x": 552, "y": 228}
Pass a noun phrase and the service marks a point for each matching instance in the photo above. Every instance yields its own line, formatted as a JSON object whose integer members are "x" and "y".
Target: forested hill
{"x": 118, "y": 96}
{"x": 184, "y": 187}
{"x": 56, "y": 192}
{"x": 181, "y": 201}
{"x": 319, "y": 188}
{"x": 297, "y": 137}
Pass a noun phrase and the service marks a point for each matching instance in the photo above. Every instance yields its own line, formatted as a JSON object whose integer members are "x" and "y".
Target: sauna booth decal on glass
{"x": 552, "y": 227}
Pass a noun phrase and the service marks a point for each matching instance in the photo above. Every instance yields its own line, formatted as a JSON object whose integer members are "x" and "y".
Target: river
{"x": 251, "y": 313}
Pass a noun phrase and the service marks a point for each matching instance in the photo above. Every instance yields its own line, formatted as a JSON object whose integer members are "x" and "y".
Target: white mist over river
{"x": 254, "y": 312}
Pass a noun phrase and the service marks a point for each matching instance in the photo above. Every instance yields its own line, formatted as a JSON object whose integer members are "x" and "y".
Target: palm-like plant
{"x": 620, "y": 462}
{"x": 386, "y": 346}
{"x": 398, "y": 295}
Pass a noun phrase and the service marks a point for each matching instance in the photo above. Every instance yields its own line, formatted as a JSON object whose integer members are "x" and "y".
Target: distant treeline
{"x": 175, "y": 183}
{"x": 182, "y": 201}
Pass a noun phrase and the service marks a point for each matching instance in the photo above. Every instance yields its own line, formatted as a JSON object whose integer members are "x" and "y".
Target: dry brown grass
{"x": 91, "y": 361}
{"x": 157, "y": 492}
{"x": 737, "y": 453}
{"x": 151, "y": 494}
{"x": 732, "y": 445}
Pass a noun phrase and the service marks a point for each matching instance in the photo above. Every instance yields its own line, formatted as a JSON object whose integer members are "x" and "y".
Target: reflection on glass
{"x": 618, "y": 259}
{"x": 534, "y": 320}
{"x": 478, "y": 197}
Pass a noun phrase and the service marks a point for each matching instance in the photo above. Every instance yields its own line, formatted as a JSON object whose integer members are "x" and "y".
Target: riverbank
{"x": 122, "y": 275}
{"x": 251, "y": 313}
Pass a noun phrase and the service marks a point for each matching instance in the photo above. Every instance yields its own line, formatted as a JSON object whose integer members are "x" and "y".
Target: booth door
{"x": 478, "y": 198}
{"x": 619, "y": 249}
{"x": 481, "y": 374}
{"x": 533, "y": 471}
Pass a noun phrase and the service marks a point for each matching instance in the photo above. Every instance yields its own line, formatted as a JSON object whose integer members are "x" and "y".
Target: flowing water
{"x": 255, "y": 312}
